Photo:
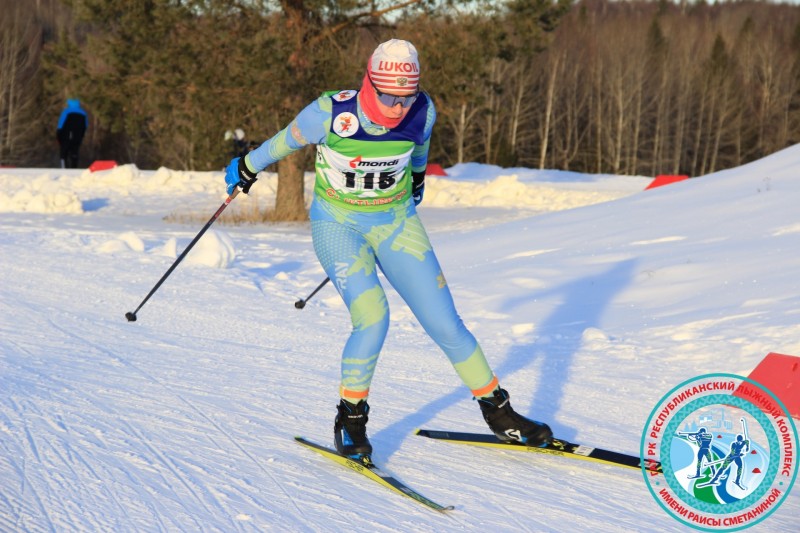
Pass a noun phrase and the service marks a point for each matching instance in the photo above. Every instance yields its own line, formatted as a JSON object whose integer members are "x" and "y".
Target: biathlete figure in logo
{"x": 703, "y": 440}
{"x": 738, "y": 448}
{"x": 372, "y": 150}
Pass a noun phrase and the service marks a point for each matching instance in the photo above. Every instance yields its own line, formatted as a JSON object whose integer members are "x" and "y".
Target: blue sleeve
{"x": 419, "y": 156}
{"x": 310, "y": 126}
{"x": 62, "y": 118}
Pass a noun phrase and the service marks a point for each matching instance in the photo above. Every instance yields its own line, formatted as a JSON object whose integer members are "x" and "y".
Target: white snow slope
{"x": 184, "y": 420}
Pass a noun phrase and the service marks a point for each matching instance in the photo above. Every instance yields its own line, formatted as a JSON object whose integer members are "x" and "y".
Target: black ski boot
{"x": 350, "y": 429}
{"x": 509, "y": 425}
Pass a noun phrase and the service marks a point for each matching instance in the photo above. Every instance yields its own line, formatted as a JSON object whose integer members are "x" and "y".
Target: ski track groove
{"x": 157, "y": 511}
{"x": 68, "y": 456}
{"x": 513, "y": 517}
{"x": 174, "y": 468}
{"x": 26, "y": 485}
{"x": 29, "y": 486}
{"x": 162, "y": 457}
{"x": 216, "y": 426}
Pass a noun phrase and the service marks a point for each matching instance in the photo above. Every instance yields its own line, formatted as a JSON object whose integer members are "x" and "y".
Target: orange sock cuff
{"x": 488, "y": 389}
{"x": 353, "y": 396}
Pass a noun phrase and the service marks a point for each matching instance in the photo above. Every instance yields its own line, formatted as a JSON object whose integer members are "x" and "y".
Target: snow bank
{"x": 68, "y": 191}
{"x": 508, "y": 191}
{"x": 40, "y": 194}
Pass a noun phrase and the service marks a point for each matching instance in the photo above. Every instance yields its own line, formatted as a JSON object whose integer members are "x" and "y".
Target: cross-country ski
{"x": 371, "y": 471}
{"x": 554, "y": 447}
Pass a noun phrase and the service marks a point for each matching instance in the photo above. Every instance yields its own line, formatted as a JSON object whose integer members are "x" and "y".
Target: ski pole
{"x": 131, "y": 316}
{"x": 302, "y": 303}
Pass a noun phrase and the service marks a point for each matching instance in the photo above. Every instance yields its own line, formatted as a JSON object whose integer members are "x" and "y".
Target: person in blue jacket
{"x": 72, "y": 126}
{"x": 372, "y": 149}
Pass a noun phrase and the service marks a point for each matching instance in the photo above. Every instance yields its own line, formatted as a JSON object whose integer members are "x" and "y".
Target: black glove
{"x": 237, "y": 174}
{"x": 417, "y": 186}
{"x": 246, "y": 177}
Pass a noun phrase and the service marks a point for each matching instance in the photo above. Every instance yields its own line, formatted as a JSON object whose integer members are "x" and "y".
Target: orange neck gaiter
{"x": 369, "y": 103}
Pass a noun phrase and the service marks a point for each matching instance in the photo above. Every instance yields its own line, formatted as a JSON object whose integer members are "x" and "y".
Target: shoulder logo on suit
{"x": 345, "y": 124}
{"x": 343, "y": 96}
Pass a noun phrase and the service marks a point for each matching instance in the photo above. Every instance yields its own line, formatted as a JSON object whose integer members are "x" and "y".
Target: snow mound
{"x": 214, "y": 249}
{"x": 128, "y": 241}
{"x": 169, "y": 249}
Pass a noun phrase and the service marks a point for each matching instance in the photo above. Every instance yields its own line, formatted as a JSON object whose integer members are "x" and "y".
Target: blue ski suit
{"x": 363, "y": 219}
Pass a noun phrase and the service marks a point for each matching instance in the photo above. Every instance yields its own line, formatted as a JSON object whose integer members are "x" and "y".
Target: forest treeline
{"x": 598, "y": 86}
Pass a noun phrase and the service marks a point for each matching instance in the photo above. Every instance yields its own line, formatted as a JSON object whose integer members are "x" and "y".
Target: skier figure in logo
{"x": 346, "y": 123}
{"x": 703, "y": 440}
{"x": 737, "y": 451}
{"x": 372, "y": 148}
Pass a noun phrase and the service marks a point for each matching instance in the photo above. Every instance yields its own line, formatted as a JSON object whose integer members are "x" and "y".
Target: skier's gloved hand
{"x": 238, "y": 173}
{"x": 417, "y": 195}
{"x": 418, "y": 186}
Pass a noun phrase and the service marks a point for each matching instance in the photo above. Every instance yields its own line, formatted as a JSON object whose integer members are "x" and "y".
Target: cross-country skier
{"x": 737, "y": 451}
{"x": 703, "y": 440}
{"x": 372, "y": 151}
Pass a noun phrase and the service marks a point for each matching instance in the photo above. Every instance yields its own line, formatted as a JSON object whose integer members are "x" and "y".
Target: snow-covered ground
{"x": 591, "y": 297}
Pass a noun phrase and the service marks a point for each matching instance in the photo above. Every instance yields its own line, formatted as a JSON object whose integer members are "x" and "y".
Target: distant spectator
{"x": 240, "y": 146}
{"x": 72, "y": 126}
